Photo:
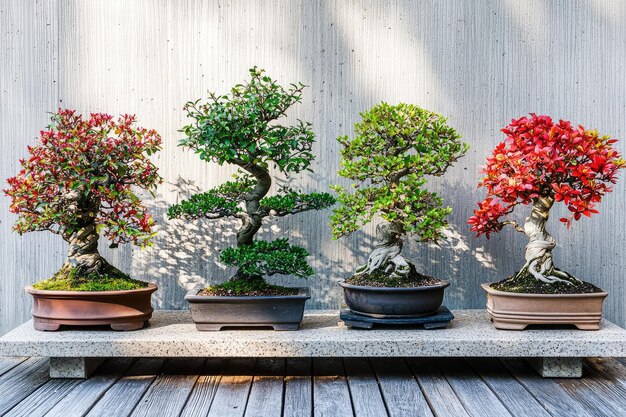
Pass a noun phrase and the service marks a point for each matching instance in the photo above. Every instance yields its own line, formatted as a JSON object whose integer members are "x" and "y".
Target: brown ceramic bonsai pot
{"x": 280, "y": 312}
{"x": 394, "y": 302}
{"x": 122, "y": 310}
{"x": 515, "y": 311}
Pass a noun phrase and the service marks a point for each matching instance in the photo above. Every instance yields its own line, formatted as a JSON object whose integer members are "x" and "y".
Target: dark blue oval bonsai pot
{"x": 394, "y": 302}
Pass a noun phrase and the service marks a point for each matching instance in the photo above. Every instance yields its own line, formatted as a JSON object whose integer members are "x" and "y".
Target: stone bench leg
{"x": 73, "y": 367}
{"x": 558, "y": 367}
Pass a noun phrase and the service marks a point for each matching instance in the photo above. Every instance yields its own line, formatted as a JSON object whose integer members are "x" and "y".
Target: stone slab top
{"x": 173, "y": 334}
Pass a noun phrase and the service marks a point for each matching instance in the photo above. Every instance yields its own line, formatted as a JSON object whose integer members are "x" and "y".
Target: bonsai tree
{"x": 395, "y": 149}
{"x": 78, "y": 182}
{"x": 541, "y": 163}
{"x": 240, "y": 129}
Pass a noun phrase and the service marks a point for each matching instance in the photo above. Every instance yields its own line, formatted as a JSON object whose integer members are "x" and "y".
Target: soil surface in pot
{"x": 109, "y": 279}
{"x": 253, "y": 287}
{"x": 527, "y": 284}
{"x": 415, "y": 279}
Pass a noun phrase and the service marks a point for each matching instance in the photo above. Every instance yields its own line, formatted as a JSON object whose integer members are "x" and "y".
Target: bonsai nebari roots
{"x": 386, "y": 256}
{"x": 538, "y": 252}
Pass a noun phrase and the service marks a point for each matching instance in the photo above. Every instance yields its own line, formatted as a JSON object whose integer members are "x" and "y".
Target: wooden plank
{"x": 598, "y": 392}
{"x": 401, "y": 392}
{"x": 201, "y": 397}
{"x": 131, "y": 387}
{"x": 439, "y": 394}
{"x": 84, "y": 395}
{"x": 169, "y": 392}
{"x": 234, "y": 388}
{"x": 547, "y": 391}
{"x": 611, "y": 367}
{"x": 266, "y": 394}
{"x": 298, "y": 388}
{"x": 44, "y": 398}
{"x": 509, "y": 390}
{"x": 21, "y": 381}
{"x": 476, "y": 396}
{"x": 331, "y": 394}
{"x": 6, "y": 364}
{"x": 367, "y": 400}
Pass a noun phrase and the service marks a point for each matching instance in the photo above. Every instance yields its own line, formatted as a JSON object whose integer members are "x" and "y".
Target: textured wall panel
{"x": 28, "y": 89}
{"x": 479, "y": 62}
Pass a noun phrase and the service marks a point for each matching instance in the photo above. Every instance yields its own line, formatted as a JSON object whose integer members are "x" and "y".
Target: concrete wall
{"x": 479, "y": 62}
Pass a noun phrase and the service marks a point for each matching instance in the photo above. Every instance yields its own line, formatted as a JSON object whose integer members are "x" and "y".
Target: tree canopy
{"x": 239, "y": 129}
{"x": 83, "y": 170}
{"x": 543, "y": 159}
{"x": 394, "y": 150}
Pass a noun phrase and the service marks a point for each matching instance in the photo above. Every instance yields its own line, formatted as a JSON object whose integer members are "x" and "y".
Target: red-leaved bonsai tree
{"x": 78, "y": 182}
{"x": 540, "y": 163}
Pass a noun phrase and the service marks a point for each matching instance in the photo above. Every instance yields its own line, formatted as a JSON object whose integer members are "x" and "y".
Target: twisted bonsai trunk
{"x": 83, "y": 252}
{"x": 538, "y": 253}
{"x": 386, "y": 256}
{"x": 252, "y": 219}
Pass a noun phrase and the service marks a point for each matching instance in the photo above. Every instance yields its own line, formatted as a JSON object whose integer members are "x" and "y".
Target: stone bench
{"x": 554, "y": 352}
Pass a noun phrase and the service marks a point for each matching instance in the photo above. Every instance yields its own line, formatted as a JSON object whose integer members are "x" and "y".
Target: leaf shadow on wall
{"x": 182, "y": 254}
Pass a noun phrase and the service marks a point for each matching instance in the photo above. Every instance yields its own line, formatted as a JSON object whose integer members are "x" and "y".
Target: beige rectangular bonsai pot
{"x": 515, "y": 311}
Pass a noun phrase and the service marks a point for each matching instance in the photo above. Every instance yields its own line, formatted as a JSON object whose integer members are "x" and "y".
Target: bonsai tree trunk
{"x": 83, "y": 243}
{"x": 386, "y": 256}
{"x": 538, "y": 251}
{"x": 251, "y": 219}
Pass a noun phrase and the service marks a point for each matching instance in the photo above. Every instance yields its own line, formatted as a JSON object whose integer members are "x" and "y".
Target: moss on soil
{"x": 249, "y": 287}
{"x": 380, "y": 279}
{"x": 110, "y": 279}
{"x": 527, "y": 284}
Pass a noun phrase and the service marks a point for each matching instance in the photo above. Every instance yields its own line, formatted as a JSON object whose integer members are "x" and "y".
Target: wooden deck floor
{"x": 319, "y": 387}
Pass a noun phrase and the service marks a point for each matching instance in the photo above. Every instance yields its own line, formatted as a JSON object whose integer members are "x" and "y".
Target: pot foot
{"x": 133, "y": 325}
{"x": 216, "y": 327}
{"x": 503, "y": 325}
{"x": 587, "y": 326}
{"x": 45, "y": 327}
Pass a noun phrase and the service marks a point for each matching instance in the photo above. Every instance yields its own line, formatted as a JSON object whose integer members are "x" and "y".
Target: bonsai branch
{"x": 515, "y": 225}
{"x": 538, "y": 252}
{"x": 386, "y": 256}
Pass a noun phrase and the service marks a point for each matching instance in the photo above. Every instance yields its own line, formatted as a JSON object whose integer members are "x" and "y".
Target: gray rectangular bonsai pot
{"x": 280, "y": 312}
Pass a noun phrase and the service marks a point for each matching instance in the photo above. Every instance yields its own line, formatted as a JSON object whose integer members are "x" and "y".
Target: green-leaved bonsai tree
{"x": 240, "y": 129}
{"x": 395, "y": 149}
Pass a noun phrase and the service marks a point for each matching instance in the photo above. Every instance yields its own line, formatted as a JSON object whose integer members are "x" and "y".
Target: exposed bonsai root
{"x": 386, "y": 255}
{"x": 546, "y": 272}
{"x": 525, "y": 282}
{"x": 538, "y": 251}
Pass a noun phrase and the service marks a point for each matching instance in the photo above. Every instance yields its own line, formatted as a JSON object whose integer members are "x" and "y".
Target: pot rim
{"x": 422, "y": 288}
{"x": 192, "y": 295}
{"x": 31, "y": 290}
{"x": 487, "y": 287}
